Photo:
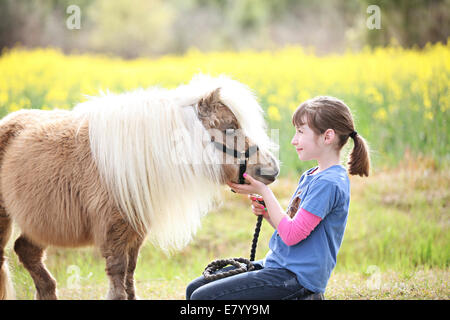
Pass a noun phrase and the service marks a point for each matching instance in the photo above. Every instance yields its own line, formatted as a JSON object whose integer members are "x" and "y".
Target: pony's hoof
{"x": 112, "y": 296}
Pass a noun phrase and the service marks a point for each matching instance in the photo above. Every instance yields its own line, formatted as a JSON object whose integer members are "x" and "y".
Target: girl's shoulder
{"x": 335, "y": 176}
{"x": 336, "y": 173}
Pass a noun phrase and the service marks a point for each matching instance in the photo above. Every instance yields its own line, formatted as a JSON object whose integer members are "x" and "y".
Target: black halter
{"x": 242, "y": 156}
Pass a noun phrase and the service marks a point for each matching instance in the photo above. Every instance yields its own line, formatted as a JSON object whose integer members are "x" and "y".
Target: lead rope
{"x": 241, "y": 264}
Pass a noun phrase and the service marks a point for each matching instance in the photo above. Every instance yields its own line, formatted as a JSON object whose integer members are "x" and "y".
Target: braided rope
{"x": 255, "y": 238}
{"x": 241, "y": 264}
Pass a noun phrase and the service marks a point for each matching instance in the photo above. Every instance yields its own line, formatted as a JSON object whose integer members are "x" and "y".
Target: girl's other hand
{"x": 257, "y": 208}
{"x": 253, "y": 186}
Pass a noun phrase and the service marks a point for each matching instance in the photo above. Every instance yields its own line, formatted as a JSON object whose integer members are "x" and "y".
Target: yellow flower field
{"x": 399, "y": 97}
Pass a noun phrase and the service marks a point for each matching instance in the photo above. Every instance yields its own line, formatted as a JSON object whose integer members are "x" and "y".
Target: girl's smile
{"x": 304, "y": 142}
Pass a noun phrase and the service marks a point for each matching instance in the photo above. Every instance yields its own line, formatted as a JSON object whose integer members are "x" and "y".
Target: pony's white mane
{"x": 135, "y": 142}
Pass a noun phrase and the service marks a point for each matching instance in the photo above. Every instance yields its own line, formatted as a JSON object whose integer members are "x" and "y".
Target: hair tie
{"x": 353, "y": 134}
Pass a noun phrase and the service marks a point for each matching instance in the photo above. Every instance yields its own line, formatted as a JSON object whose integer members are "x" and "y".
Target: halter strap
{"x": 233, "y": 152}
{"x": 238, "y": 155}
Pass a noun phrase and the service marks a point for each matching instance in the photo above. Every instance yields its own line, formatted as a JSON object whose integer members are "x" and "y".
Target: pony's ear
{"x": 207, "y": 106}
{"x": 214, "y": 97}
{"x": 216, "y": 115}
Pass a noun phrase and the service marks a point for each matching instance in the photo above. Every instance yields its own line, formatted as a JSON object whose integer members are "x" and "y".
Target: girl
{"x": 307, "y": 237}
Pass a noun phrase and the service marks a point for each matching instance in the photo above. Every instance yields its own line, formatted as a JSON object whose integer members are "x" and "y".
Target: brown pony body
{"x": 51, "y": 188}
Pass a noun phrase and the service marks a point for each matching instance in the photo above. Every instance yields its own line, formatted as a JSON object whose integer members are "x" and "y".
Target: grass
{"x": 396, "y": 244}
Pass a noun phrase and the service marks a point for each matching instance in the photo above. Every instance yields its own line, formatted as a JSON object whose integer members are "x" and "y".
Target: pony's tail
{"x": 359, "y": 160}
{"x": 6, "y": 287}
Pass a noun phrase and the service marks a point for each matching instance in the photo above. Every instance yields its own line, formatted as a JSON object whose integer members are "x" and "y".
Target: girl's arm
{"x": 274, "y": 210}
{"x": 291, "y": 231}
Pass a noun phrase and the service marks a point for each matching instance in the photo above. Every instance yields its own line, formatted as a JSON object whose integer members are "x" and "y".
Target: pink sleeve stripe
{"x": 292, "y": 231}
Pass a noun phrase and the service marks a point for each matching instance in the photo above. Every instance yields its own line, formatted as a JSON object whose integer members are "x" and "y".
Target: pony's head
{"x": 235, "y": 126}
{"x": 239, "y": 153}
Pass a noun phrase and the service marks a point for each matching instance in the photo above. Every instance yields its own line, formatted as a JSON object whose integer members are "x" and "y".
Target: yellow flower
{"x": 381, "y": 114}
{"x": 56, "y": 95}
{"x": 293, "y": 106}
{"x": 374, "y": 95}
{"x": 24, "y": 102}
{"x": 274, "y": 113}
{"x": 426, "y": 100}
{"x": 262, "y": 91}
{"x": 14, "y": 107}
{"x": 444, "y": 103}
{"x": 3, "y": 97}
{"x": 303, "y": 95}
{"x": 272, "y": 99}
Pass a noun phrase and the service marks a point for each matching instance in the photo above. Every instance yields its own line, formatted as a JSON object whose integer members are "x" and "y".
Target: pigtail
{"x": 359, "y": 160}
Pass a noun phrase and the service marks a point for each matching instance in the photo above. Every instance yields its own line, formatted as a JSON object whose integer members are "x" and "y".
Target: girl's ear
{"x": 329, "y": 135}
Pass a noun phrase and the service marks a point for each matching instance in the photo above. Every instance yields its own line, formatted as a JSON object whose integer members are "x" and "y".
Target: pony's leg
{"x": 116, "y": 265}
{"x": 6, "y": 287}
{"x": 115, "y": 251}
{"x": 133, "y": 252}
{"x": 31, "y": 256}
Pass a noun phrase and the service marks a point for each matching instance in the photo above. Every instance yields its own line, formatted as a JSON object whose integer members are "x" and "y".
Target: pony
{"x": 105, "y": 173}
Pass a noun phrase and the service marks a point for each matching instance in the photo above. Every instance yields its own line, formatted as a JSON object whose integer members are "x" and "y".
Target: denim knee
{"x": 193, "y": 286}
{"x": 200, "y": 294}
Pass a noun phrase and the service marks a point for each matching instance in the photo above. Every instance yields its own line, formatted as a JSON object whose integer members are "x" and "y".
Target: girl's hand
{"x": 255, "y": 186}
{"x": 257, "y": 208}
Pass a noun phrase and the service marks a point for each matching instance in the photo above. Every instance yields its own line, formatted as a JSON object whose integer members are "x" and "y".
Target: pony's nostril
{"x": 267, "y": 173}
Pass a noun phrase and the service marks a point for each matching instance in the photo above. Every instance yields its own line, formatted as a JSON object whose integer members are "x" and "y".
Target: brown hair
{"x": 324, "y": 113}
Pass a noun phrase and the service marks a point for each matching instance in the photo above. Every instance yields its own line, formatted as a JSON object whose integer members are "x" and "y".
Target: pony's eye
{"x": 229, "y": 131}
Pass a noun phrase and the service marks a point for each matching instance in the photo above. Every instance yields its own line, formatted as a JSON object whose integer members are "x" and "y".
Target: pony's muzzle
{"x": 269, "y": 173}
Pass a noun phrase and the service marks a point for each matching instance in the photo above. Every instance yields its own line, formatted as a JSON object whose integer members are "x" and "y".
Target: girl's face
{"x": 305, "y": 142}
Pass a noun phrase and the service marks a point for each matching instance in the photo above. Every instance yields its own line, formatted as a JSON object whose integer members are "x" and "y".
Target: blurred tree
{"x": 39, "y": 23}
{"x": 156, "y": 27}
{"x": 410, "y": 22}
{"x": 129, "y": 29}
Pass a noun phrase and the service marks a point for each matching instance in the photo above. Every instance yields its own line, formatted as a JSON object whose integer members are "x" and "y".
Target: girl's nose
{"x": 293, "y": 141}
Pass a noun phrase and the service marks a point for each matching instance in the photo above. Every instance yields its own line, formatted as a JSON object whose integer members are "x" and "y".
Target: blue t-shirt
{"x": 327, "y": 195}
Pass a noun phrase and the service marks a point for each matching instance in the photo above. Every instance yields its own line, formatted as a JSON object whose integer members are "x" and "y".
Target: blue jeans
{"x": 259, "y": 284}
